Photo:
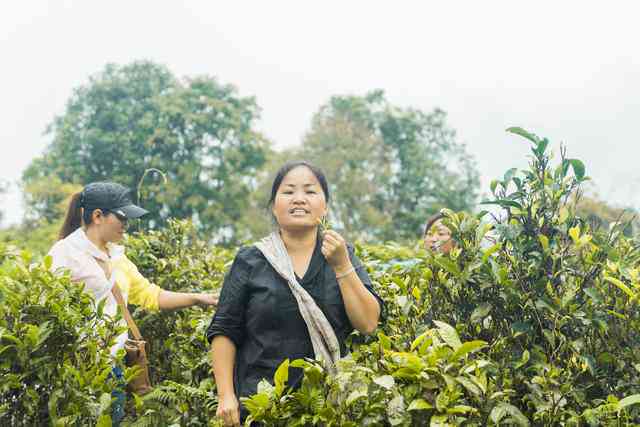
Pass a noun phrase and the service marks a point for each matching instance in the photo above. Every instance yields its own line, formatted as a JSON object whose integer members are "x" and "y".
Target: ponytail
{"x": 73, "y": 219}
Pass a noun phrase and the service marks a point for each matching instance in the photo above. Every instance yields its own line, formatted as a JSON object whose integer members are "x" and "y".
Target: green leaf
{"x": 480, "y": 312}
{"x": 594, "y": 295}
{"x": 419, "y": 340}
{"x": 466, "y": 348}
{"x": 439, "y": 421}
{"x": 281, "y": 376}
{"x": 105, "y": 402}
{"x": 48, "y": 262}
{"x": 385, "y": 342}
{"x": 257, "y": 402}
{"x": 493, "y": 249}
{"x": 502, "y": 409}
{"x": 629, "y": 400}
{"x": 542, "y": 145}
{"x": 505, "y": 203}
{"x": 265, "y": 387}
{"x": 385, "y": 381}
{"x": 521, "y": 328}
{"x": 620, "y": 285}
{"x": 448, "y": 334}
{"x": 461, "y": 409}
{"x": 523, "y": 360}
{"x": 355, "y": 395}
{"x": 544, "y": 241}
{"x": 509, "y": 175}
{"x": 578, "y": 168}
{"x": 299, "y": 363}
{"x": 469, "y": 385}
{"x": 523, "y": 133}
{"x": 574, "y": 233}
{"x": 104, "y": 421}
{"x": 449, "y": 266}
{"x": 419, "y": 405}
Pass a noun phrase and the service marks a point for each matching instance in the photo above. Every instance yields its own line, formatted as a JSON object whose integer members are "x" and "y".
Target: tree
{"x": 602, "y": 215}
{"x": 47, "y": 201}
{"x": 131, "y": 118}
{"x": 389, "y": 167}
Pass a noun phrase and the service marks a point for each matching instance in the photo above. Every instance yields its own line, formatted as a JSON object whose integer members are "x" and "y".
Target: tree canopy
{"x": 389, "y": 167}
{"x": 198, "y": 132}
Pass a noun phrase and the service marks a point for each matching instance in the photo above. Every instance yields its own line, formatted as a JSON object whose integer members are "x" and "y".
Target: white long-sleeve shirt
{"x": 78, "y": 254}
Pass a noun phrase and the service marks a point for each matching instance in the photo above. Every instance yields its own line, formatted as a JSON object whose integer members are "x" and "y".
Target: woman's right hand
{"x": 229, "y": 410}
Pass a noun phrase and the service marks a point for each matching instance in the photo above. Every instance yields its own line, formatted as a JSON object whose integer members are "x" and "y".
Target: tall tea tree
{"x": 391, "y": 167}
{"x": 128, "y": 119}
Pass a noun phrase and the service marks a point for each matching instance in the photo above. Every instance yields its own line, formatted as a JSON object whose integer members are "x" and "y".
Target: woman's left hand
{"x": 334, "y": 249}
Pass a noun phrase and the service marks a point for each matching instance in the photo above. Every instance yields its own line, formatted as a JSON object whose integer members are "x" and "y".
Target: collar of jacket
{"x": 80, "y": 241}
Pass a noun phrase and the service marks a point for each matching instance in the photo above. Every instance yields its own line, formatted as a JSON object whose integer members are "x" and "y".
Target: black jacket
{"x": 258, "y": 312}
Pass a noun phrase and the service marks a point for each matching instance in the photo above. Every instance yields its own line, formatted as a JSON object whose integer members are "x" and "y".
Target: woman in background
{"x": 437, "y": 237}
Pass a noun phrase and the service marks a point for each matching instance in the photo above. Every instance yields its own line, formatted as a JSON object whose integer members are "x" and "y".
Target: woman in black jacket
{"x": 297, "y": 293}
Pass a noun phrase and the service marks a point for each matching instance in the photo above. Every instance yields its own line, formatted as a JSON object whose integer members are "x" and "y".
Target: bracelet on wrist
{"x": 346, "y": 272}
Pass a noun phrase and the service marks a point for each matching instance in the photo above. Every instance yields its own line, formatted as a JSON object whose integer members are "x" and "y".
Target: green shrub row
{"x": 531, "y": 320}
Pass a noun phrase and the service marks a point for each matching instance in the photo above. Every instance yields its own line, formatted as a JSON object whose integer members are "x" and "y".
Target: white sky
{"x": 566, "y": 70}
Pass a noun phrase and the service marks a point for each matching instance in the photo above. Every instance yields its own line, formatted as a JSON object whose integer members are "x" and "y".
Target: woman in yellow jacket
{"x": 96, "y": 220}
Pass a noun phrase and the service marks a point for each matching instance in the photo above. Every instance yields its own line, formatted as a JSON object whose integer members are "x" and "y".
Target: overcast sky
{"x": 566, "y": 70}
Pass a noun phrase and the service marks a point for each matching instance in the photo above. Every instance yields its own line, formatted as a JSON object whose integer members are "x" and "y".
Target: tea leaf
{"x": 523, "y": 133}
{"x": 448, "y": 334}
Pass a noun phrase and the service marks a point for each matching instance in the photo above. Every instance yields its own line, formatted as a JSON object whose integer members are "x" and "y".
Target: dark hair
{"x": 74, "y": 217}
{"x": 432, "y": 220}
{"x": 288, "y": 167}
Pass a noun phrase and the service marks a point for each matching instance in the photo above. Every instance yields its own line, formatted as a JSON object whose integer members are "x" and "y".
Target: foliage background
{"x": 531, "y": 320}
{"x": 382, "y": 161}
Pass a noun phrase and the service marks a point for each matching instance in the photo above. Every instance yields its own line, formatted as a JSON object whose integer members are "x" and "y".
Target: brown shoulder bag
{"x": 135, "y": 348}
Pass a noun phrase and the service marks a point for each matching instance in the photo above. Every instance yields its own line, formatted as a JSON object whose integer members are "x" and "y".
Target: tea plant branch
{"x": 139, "y": 188}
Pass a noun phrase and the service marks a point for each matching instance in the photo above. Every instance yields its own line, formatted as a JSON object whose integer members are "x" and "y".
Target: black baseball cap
{"x": 111, "y": 197}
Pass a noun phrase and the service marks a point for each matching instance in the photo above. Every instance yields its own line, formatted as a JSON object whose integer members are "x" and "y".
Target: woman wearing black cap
{"x": 96, "y": 220}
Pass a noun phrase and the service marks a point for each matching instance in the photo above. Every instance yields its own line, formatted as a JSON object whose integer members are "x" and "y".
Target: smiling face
{"x": 438, "y": 238}
{"x": 299, "y": 200}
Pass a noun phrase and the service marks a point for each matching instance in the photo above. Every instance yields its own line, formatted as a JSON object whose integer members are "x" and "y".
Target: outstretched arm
{"x": 168, "y": 300}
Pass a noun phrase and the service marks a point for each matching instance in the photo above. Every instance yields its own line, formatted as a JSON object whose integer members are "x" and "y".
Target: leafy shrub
{"x": 437, "y": 378}
{"x": 554, "y": 300}
{"x": 53, "y": 366}
{"x": 531, "y": 320}
{"x": 177, "y": 260}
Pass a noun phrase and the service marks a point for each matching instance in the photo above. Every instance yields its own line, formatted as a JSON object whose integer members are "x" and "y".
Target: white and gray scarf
{"x": 324, "y": 340}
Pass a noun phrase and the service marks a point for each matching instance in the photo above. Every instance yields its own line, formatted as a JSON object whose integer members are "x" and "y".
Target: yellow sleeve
{"x": 141, "y": 291}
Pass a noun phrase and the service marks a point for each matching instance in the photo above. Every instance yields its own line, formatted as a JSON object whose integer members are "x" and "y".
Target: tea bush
{"x": 177, "y": 260}
{"x": 549, "y": 304}
{"x": 532, "y": 319}
{"x": 53, "y": 367}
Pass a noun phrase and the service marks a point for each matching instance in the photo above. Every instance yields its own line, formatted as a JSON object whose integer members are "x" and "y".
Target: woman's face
{"x": 438, "y": 238}
{"x": 110, "y": 227}
{"x": 299, "y": 201}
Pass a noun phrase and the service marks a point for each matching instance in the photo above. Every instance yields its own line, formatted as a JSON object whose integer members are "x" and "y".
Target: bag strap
{"x": 117, "y": 294}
